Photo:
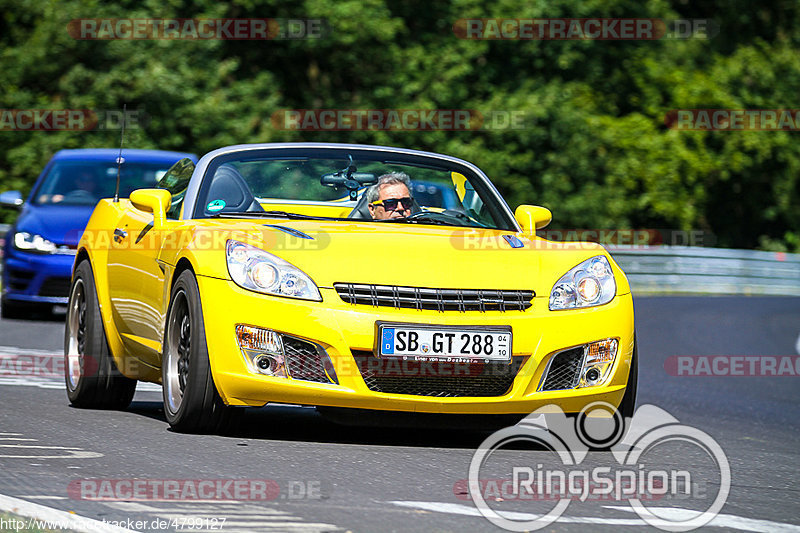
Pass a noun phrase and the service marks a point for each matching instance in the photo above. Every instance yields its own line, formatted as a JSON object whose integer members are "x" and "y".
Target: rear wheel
{"x": 92, "y": 377}
{"x": 191, "y": 401}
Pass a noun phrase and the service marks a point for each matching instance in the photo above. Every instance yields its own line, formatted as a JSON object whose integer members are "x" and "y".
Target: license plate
{"x": 438, "y": 343}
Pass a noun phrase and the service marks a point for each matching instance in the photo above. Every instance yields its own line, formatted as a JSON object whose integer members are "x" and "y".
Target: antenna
{"x": 119, "y": 157}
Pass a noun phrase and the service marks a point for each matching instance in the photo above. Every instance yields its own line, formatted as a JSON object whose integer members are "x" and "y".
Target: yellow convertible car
{"x": 341, "y": 276}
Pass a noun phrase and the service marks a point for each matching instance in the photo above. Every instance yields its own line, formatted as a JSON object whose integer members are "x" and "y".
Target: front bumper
{"x": 342, "y": 329}
{"x": 37, "y": 278}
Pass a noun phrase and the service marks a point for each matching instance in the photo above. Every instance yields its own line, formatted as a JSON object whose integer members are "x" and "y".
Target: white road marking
{"x": 13, "y": 350}
{"x": 70, "y": 453}
{"x": 59, "y": 518}
{"x": 143, "y": 386}
{"x": 11, "y": 434}
{"x": 42, "y": 383}
{"x": 721, "y": 520}
{"x": 239, "y": 516}
{"x": 41, "y": 497}
{"x": 457, "y": 508}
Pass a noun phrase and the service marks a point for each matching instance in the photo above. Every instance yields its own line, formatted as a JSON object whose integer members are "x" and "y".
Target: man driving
{"x": 390, "y": 197}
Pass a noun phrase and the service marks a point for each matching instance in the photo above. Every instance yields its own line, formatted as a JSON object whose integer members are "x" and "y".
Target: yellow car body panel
{"x": 340, "y": 327}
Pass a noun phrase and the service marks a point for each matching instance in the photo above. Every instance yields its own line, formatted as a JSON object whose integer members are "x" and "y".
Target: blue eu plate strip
{"x": 387, "y": 341}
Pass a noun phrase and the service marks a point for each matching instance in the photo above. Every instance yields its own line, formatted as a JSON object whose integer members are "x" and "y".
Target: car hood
{"x": 60, "y": 224}
{"x": 409, "y": 254}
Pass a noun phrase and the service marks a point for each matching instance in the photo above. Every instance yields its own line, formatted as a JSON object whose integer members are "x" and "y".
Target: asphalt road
{"x": 325, "y": 477}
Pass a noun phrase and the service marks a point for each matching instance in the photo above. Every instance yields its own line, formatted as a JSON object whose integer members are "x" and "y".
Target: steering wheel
{"x": 79, "y": 196}
{"x": 444, "y": 217}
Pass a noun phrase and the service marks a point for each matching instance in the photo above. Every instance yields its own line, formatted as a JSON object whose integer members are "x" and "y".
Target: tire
{"x": 628, "y": 404}
{"x": 92, "y": 377}
{"x": 191, "y": 401}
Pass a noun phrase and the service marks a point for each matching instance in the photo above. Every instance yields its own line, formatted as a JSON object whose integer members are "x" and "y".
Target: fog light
{"x": 262, "y": 349}
{"x": 592, "y": 376}
{"x": 266, "y": 364}
{"x": 598, "y": 360}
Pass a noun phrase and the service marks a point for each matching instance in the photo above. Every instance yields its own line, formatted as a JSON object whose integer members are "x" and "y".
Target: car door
{"x": 137, "y": 275}
{"x": 136, "y": 281}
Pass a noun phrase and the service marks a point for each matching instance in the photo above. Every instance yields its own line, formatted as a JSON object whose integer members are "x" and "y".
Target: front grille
{"x": 436, "y": 379}
{"x": 434, "y": 299}
{"x": 564, "y": 370}
{"x": 303, "y": 360}
{"x": 55, "y": 287}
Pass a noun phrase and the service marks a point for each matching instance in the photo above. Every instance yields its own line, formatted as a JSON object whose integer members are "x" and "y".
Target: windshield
{"x": 86, "y": 182}
{"x": 354, "y": 185}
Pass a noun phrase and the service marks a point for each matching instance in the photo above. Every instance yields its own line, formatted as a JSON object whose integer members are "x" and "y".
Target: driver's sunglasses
{"x": 390, "y": 204}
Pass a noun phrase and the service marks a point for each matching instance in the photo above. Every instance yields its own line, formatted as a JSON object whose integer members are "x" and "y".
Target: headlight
{"x": 260, "y": 271}
{"x": 588, "y": 284}
{"x": 33, "y": 243}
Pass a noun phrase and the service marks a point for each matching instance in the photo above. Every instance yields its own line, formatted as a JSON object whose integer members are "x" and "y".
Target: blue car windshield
{"x": 86, "y": 182}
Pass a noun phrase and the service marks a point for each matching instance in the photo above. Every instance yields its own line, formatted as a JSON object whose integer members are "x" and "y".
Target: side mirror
{"x": 532, "y": 217}
{"x": 154, "y": 201}
{"x": 11, "y": 199}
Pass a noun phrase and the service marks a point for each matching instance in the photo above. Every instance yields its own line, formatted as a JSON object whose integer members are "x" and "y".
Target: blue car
{"x": 40, "y": 247}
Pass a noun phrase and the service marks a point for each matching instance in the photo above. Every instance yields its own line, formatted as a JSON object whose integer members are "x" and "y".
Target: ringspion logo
{"x": 633, "y": 472}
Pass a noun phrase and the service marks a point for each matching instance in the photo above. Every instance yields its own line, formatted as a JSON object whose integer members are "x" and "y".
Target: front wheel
{"x": 191, "y": 401}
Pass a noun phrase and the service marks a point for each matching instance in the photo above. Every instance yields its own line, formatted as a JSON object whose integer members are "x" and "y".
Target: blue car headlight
{"x": 256, "y": 270}
{"x": 585, "y": 285}
{"x": 33, "y": 243}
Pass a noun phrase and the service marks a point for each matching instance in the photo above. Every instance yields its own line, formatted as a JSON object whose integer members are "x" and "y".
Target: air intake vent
{"x": 434, "y": 299}
{"x": 564, "y": 370}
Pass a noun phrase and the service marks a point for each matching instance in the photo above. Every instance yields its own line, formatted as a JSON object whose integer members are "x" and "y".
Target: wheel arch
{"x": 82, "y": 255}
{"x": 184, "y": 263}
{"x": 100, "y": 279}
